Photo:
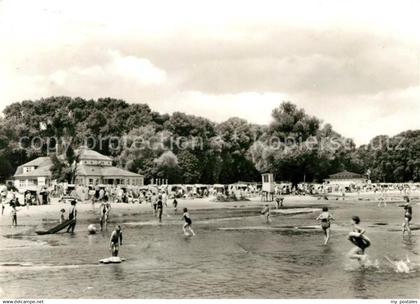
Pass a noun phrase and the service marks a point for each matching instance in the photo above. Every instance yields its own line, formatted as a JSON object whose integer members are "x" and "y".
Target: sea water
{"x": 234, "y": 255}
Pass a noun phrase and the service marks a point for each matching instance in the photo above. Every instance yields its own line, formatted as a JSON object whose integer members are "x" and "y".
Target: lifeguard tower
{"x": 268, "y": 187}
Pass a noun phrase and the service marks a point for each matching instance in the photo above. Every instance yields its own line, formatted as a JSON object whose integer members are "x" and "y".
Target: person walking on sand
{"x": 359, "y": 239}
{"x": 266, "y": 212}
{"x": 188, "y": 223}
{"x": 116, "y": 241}
{"x": 72, "y": 216}
{"x": 408, "y": 215}
{"x": 325, "y": 217}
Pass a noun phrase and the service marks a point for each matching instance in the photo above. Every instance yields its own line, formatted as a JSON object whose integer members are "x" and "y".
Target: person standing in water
{"x": 408, "y": 215}
{"x": 62, "y": 218}
{"x": 104, "y": 210}
{"x": 72, "y": 216}
{"x": 381, "y": 199}
{"x": 159, "y": 208}
{"x": 165, "y": 198}
{"x": 154, "y": 204}
{"x": 188, "y": 223}
{"x": 359, "y": 239}
{"x": 266, "y": 212}
{"x": 325, "y": 217}
{"x": 116, "y": 241}
{"x": 14, "y": 214}
{"x": 279, "y": 202}
{"x": 175, "y": 204}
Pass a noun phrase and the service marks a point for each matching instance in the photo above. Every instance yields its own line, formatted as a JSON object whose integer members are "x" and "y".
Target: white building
{"x": 34, "y": 174}
{"x": 346, "y": 178}
{"x": 93, "y": 168}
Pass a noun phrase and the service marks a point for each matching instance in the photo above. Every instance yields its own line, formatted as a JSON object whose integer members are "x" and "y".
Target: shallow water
{"x": 245, "y": 259}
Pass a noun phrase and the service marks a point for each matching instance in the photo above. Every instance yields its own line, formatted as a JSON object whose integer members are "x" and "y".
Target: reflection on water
{"x": 247, "y": 259}
{"x": 359, "y": 283}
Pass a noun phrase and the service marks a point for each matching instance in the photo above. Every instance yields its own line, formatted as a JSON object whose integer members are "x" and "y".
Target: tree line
{"x": 185, "y": 148}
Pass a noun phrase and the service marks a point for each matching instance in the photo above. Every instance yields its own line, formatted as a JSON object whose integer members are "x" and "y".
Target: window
{"x": 22, "y": 183}
{"x": 32, "y": 182}
{"x": 28, "y": 169}
{"x": 90, "y": 181}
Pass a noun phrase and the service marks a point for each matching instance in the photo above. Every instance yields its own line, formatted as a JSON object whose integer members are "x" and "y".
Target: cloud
{"x": 117, "y": 75}
{"x": 352, "y": 67}
{"x": 126, "y": 69}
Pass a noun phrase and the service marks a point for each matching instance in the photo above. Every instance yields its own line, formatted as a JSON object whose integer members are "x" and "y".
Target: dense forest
{"x": 189, "y": 149}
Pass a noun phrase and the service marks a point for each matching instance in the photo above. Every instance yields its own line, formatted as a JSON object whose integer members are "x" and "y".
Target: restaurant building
{"x": 92, "y": 169}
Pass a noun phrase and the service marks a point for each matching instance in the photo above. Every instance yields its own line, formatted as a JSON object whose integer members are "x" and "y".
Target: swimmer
{"x": 116, "y": 241}
{"x": 408, "y": 215}
{"x": 266, "y": 212}
{"x": 357, "y": 237}
{"x": 188, "y": 222}
{"x": 325, "y": 217}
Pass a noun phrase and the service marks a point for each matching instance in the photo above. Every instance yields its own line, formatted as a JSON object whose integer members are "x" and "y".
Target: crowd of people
{"x": 158, "y": 198}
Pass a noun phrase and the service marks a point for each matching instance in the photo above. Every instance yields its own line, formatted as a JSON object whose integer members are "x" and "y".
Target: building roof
{"x": 87, "y": 154}
{"x": 345, "y": 175}
{"x": 43, "y": 165}
{"x": 38, "y": 162}
{"x": 106, "y": 171}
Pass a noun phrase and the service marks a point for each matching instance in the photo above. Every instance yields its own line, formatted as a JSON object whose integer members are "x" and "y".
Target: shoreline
{"x": 29, "y": 219}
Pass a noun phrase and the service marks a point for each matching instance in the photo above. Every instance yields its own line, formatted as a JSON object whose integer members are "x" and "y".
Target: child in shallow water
{"x": 359, "y": 239}
{"x": 266, "y": 212}
{"x": 116, "y": 241}
{"x": 408, "y": 215}
{"x": 14, "y": 215}
{"x": 188, "y": 223}
{"x": 325, "y": 217}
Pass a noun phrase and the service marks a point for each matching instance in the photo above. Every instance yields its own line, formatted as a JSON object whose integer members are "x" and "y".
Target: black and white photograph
{"x": 209, "y": 150}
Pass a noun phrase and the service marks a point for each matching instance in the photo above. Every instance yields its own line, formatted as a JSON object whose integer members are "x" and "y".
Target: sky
{"x": 353, "y": 64}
